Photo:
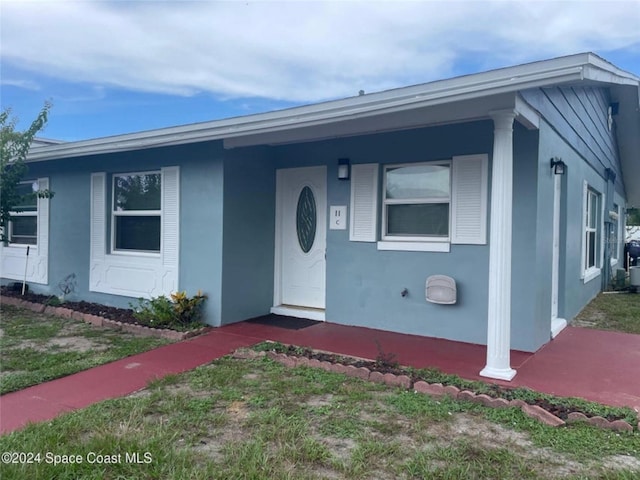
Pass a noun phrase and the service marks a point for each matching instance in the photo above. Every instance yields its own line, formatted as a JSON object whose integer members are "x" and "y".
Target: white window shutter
{"x": 364, "y": 203}
{"x": 43, "y": 218}
{"x": 469, "y": 175}
{"x": 170, "y": 216}
{"x": 98, "y": 233}
{"x": 41, "y": 274}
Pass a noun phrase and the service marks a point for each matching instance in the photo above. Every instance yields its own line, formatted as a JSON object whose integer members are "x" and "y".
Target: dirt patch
{"x": 63, "y": 344}
{"x": 238, "y": 410}
{"x": 75, "y": 344}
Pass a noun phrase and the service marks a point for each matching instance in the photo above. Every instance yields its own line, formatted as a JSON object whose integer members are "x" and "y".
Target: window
{"x": 425, "y": 206}
{"x": 29, "y": 227}
{"x": 614, "y": 245}
{"x": 416, "y": 202}
{"x": 137, "y": 212}
{"x": 135, "y": 232}
{"x": 592, "y": 231}
{"x": 23, "y": 228}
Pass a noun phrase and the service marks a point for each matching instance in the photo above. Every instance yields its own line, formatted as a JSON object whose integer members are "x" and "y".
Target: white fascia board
{"x": 538, "y": 74}
{"x": 526, "y": 114}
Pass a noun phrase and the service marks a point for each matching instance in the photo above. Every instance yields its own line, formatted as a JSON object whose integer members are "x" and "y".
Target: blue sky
{"x": 112, "y": 67}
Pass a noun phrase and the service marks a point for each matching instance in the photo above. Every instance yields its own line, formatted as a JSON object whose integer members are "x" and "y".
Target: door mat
{"x": 289, "y": 323}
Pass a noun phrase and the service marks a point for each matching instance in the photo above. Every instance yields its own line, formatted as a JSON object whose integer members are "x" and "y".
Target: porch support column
{"x": 499, "y": 312}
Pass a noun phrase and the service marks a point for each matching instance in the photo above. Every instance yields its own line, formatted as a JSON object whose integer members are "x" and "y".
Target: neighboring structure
{"x": 460, "y": 177}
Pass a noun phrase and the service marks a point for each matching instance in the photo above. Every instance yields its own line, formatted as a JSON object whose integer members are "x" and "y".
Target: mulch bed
{"x": 123, "y": 315}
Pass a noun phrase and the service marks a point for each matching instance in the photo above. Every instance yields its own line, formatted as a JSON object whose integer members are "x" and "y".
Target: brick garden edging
{"x": 437, "y": 390}
{"x": 101, "y": 321}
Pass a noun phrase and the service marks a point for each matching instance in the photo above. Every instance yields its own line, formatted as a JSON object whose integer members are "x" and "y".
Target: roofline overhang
{"x": 579, "y": 68}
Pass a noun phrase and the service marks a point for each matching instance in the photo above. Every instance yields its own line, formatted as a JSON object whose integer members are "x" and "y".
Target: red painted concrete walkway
{"x": 595, "y": 365}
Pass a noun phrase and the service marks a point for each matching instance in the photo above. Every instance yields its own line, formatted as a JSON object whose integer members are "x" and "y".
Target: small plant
{"x": 53, "y": 301}
{"x": 384, "y": 359}
{"x": 67, "y": 286}
{"x": 179, "y": 311}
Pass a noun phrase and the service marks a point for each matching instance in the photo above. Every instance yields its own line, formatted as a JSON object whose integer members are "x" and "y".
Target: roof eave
{"x": 563, "y": 70}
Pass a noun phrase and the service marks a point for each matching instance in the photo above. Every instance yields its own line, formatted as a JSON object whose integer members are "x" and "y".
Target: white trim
{"x": 555, "y": 249}
{"x": 278, "y": 289}
{"x": 499, "y": 291}
{"x": 133, "y": 213}
{"x": 469, "y": 192}
{"x": 289, "y": 311}
{"x": 590, "y": 274}
{"x": 583, "y": 243}
{"x": 414, "y": 246}
{"x": 363, "y": 203}
{"x": 618, "y": 221}
{"x": 13, "y": 256}
{"x": 557, "y": 325}
{"x": 127, "y": 272}
{"x": 277, "y": 256}
{"x": 526, "y": 115}
{"x": 573, "y": 68}
{"x": 414, "y": 201}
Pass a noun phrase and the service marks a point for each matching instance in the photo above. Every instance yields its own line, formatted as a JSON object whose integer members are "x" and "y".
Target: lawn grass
{"x": 612, "y": 311}
{"x": 255, "y": 419}
{"x": 35, "y": 347}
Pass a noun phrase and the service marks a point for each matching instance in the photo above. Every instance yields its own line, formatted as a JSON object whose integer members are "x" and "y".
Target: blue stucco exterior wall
{"x": 363, "y": 283}
{"x": 575, "y": 128}
{"x": 248, "y": 234}
{"x": 201, "y": 170}
{"x": 227, "y": 214}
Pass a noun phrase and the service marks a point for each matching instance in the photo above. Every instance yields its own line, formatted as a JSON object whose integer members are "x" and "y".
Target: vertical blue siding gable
{"x": 579, "y": 115}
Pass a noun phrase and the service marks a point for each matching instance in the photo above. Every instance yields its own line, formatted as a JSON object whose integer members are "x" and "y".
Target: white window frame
{"x": 591, "y": 196}
{"x": 387, "y": 240}
{"x": 24, "y": 214}
{"x": 134, "y": 213}
{"x": 615, "y": 216}
{"x": 134, "y": 273}
{"x": 13, "y": 255}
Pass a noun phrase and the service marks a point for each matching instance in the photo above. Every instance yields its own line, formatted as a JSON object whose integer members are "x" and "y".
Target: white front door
{"x": 301, "y": 223}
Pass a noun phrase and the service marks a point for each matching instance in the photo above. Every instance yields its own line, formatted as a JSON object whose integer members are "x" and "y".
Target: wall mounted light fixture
{"x": 343, "y": 169}
{"x": 559, "y": 167}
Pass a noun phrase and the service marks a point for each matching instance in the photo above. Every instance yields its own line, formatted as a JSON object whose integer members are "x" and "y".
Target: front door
{"x": 301, "y": 197}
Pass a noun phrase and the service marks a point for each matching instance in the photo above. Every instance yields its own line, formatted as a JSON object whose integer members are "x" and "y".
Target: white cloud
{"x": 298, "y": 51}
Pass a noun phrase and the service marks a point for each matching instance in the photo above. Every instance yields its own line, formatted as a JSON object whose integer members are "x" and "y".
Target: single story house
{"x": 487, "y": 208}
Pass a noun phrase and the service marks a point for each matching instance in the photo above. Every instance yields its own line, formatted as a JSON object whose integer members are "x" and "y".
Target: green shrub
{"x": 178, "y": 312}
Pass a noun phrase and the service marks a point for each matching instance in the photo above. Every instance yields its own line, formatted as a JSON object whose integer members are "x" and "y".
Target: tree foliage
{"x": 633, "y": 216}
{"x": 14, "y": 147}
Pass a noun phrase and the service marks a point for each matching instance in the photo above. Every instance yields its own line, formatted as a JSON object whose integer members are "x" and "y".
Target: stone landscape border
{"x": 99, "y": 321}
{"x": 437, "y": 390}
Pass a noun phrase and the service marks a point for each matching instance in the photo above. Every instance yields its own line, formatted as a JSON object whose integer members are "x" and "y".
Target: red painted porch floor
{"x": 595, "y": 365}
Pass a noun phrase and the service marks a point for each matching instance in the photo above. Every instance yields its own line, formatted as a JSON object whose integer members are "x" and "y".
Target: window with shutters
{"x": 425, "y": 206}
{"x": 135, "y": 232}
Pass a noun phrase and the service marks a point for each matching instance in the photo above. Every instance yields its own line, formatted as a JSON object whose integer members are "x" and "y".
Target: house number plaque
{"x": 338, "y": 218}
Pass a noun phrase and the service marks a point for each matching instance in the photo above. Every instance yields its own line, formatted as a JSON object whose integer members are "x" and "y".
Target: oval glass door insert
{"x": 306, "y": 219}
